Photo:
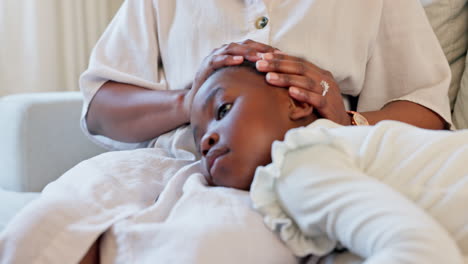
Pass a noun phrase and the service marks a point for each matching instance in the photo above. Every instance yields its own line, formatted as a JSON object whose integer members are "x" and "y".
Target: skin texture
{"x": 236, "y": 117}
{"x": 130, "y": 113}
{"x": 303, "y": 80}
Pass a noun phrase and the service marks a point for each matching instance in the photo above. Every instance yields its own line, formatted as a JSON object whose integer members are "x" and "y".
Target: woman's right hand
{"x": 227, "y": 55}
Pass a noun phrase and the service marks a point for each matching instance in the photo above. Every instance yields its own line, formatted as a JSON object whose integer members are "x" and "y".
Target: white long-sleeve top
{"x": 379, "y": 50}
{"x": 391, "y": 193}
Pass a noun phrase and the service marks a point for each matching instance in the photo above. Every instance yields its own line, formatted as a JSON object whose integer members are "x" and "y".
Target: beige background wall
{"x": 45, "y": 44}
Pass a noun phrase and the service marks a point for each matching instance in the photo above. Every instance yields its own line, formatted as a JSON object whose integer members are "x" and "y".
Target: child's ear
{"x": 299, "y": 110}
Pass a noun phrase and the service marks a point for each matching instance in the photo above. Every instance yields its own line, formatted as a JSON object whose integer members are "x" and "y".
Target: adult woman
{"x": 382, "y": 52}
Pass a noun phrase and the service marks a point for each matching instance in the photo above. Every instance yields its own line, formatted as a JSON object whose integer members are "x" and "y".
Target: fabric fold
{"x": 264, "y": 195}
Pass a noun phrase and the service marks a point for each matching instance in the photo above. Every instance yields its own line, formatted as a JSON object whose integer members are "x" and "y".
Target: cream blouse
{"x": 379, "y": 50}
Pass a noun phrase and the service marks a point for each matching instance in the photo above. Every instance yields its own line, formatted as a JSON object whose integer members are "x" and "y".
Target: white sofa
{"x": 41, "y": 139}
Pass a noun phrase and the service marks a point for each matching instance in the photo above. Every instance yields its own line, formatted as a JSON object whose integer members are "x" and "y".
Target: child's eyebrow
{"x": 211, "y": 96}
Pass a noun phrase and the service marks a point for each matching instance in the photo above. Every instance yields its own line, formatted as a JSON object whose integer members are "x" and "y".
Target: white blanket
{"x": 391, "y": 193}
{"x": 116, "y": 192}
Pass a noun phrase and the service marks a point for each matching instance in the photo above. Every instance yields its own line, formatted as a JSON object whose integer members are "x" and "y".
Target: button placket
{"x": 259, "y": 21}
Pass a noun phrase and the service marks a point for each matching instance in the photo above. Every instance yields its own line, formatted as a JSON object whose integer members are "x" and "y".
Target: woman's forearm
{"x": 131, "y": 114}
{"x": 407, "y": 112}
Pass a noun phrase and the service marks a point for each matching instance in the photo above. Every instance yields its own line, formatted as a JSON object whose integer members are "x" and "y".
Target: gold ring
{"x": 325, "y": 87}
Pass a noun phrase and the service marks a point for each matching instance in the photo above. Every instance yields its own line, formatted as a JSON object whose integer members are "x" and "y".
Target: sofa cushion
{"x": 42, "y": 139}
{"x": 449, "y": 19}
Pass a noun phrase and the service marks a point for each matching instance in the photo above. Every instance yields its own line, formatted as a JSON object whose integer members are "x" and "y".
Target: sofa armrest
{"x": 41, "y": 139}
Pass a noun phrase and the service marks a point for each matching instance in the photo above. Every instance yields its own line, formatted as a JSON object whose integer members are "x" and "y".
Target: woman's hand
{"x": 227, "y": 55}
{"x": 307, "y": 83}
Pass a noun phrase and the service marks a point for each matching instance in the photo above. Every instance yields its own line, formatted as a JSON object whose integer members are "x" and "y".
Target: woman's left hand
{"x": 307, "y": 83}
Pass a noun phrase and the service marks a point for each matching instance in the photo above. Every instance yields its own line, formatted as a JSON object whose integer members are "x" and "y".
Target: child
{"x": 391, "y": 193}
{"x": 257, "y": 107}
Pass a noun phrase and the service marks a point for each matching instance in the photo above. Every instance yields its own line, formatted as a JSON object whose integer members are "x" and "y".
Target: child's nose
{"x": 208, "y": 141}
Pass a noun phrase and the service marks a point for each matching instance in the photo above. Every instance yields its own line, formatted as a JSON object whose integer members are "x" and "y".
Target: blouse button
{"x": 261, "y": 22}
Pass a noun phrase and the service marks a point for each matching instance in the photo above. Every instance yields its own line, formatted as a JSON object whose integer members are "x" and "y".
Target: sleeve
{"x": 316, "y": 196}
{"x": 127, "y": 52}
{"x": 406, "y": 62}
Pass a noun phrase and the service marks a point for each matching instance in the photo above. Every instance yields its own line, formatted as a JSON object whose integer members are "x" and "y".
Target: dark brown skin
{"x": 130, "y": 113}
{"x": 303, "y": 79}
{"x": 236, "y": 117}
{"x": 134, "y": 114}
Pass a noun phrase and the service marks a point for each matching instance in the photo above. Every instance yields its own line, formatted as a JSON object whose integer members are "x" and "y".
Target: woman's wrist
{"x": 183, "y": 105}
{"x": 407, "y": 112}
{"x": 357, "y": 119}
{"x": 131, "y": 114}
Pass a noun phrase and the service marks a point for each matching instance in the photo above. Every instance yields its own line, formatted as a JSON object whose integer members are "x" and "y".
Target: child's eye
{"x": 222, "y": 111}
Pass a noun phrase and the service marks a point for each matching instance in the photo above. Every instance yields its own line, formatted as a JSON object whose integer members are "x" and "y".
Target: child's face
{"x": 236, "y": 116}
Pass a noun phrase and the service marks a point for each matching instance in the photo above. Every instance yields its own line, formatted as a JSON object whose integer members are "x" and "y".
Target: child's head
{"x": 236, "y": 116}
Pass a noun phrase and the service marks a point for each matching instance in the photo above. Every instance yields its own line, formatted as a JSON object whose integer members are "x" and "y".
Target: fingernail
{"x": 279, "y": 52}
{"x": 272, "y": 76}
{"x": 294, "y": 91}
{"x": 262, "y": 64}
{"x": 267, "y": 56}
{"x": 238, "y": 58}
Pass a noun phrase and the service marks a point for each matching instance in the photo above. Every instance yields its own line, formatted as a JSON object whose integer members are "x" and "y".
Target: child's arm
{"x": 331, "y": 198}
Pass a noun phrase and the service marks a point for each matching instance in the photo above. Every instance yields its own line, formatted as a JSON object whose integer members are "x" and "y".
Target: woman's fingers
{"x": 283, "y": 66}
{"x": 218, "y": 61}
{"x": 329, "y": 105}
{"x": 280, "y": 62}
{"x": 306, "y": 96}
{"x": 212, "y": 63}
{"x": 249, "y": 49}
{"x": 258, "y": 46}
{"x": 307, "y": 84}
{"x": 229, "y": 55}
{"x": 279, "y": 55}
{"x": 288, "y": 80}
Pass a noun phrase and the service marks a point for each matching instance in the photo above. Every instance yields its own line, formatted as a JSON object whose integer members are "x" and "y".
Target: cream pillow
{"x": 449, "y": 19}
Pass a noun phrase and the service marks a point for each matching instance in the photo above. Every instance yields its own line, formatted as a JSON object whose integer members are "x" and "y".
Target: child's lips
{"x": 212, "y": 156}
